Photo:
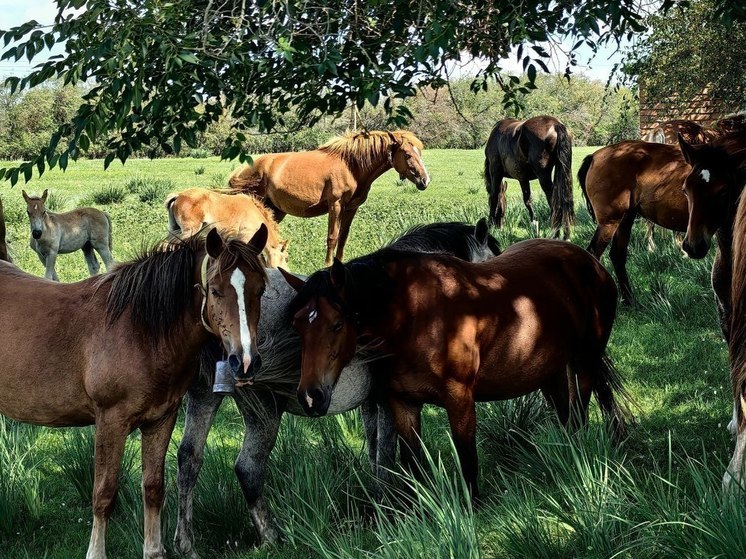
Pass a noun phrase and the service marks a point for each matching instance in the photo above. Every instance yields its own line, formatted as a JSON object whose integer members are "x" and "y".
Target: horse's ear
{"x": 259, "y": 240}
{"x": 214, "y": 243}
{"x": 338, "y": 273}
{"x": 393, "y": 139}
{"x": 293, "y": 281}
{"x": 25, "y": 196}
{"x": 482, "y": 231}
{"x": 687, "y": 149}
{"x": 44, "y": 196}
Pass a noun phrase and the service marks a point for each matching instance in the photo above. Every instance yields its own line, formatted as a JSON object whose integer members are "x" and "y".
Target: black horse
{"x": 527, "y": 150}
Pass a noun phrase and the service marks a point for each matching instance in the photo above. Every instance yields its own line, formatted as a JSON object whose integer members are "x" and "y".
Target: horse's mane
{"x": 727, "y": 151}
{"x": 157, "y": 287}
{"x": 268, "y": 217}
{"x": 366, "y": 148}
{"x": 366, "y": 274}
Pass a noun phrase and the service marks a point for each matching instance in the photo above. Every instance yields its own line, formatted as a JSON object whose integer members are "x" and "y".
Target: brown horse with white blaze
{"x": 627, "y": 179}
{"x": 120, "y": 350}
{"x": 526, "y": 150}
{"x": 537, "y": 317}
{"x": 335, "y": 178}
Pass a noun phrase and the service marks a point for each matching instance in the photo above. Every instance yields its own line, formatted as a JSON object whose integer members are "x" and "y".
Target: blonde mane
{"x": 366, "y": 148}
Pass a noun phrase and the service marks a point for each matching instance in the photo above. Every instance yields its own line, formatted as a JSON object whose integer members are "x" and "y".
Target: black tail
{"x": 582, "y": 173}
{"x": 563, "y": 210}
{"x": 487, "y": 177}
{"x": 613, "y": 398}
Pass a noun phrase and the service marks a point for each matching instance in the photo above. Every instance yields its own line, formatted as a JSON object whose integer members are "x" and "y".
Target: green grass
{"x": 546, "y": 494}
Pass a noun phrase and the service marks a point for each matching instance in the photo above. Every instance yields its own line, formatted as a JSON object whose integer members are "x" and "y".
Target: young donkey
{"x": 83, "y": 229}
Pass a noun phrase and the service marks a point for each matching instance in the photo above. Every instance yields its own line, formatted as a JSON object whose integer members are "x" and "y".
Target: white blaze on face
{"x": 309, "y": 400}
{"x": 238, "y": 281}
{"x": 705, "y": 175}
{"x": 312, "y": 316}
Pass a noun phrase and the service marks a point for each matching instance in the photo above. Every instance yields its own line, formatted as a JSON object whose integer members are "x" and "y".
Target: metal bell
{"x": 224, "y": 383}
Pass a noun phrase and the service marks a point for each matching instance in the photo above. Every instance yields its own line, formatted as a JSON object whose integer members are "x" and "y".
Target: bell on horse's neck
{"x": 224, "y": 383}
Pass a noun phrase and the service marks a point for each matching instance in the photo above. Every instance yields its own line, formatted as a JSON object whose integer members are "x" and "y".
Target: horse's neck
{"x": 366, "y": 176}
{"x": 725, "y": 233}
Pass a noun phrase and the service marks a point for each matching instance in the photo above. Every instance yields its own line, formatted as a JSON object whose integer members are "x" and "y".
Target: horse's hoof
{"x": 159, "y": 554}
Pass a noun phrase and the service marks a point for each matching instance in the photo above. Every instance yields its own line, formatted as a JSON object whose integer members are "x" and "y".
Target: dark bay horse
{"x": 527, "y": 150}
{"x": 120, "y": 350}
{"x": 335, "y": 178}
{"x": 262, "y": 405}
{"x": 713, "y": 188}
{"x": 624, "y": 180}
{"x": 537, "y": 317}
{"x": 736, "y": 472}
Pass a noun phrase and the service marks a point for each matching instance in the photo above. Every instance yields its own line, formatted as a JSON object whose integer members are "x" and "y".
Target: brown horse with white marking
{"x": 335, "y": 178}
{"x": 234, "y": 215}
{"x": 120, "y": 350}
{"x": 713, "y": 188}
{"x": 624, "y": 180}
{"x": 537, "y": 317}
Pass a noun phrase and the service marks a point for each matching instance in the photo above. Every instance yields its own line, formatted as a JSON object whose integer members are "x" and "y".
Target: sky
{"x": 16, "y": 12}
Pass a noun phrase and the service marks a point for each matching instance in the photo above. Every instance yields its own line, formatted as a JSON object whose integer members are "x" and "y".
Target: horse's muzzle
{"x": 235, "y": 361}
{"x": 315, "y": 401}
{"x": 696, "y": 250}
{"x": 36, "y": 233}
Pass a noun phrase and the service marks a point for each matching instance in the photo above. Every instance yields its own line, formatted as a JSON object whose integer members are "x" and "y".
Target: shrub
{"x": 109, "y": 195}
{"x": 135, "y": 184}
{"x": 199, "y": 170}
{"x": 155, "y": 191}
{"x": 57, "y": 201}
{"x": 199, "y": 153}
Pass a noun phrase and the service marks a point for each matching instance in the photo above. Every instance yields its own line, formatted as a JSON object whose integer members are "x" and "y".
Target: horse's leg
{"x": 155, "y": 439}
{"x": 618, "y": 255}
{"x": 111, "y": 434}
{"x": 602, "y": 237}
{"x": 736, "y": 473}
{"x": 721, "y": 282}
{"x": 497, "y": 198}
{"x": 50, "y": 261}
{"x": 105, "y": 253}
{"x": 557, "y": 394}
{"x": 332, "y": 234}
{"x": 529, "y": 203}
{"x": 545, "y": 181}
{"x": 579, "y": 391}
{"x": 202, "y": 405}
{"x": 381, "y": 438}
{"x": 369, "y": 414}
{"x": 251, "y": 465}
{"x": 650, "y": 236}
{"x": 462, "y": 417}
{"x": 344, "y": 230}
{"x": 407, "y": 422}
{"x": 90, "y": 259}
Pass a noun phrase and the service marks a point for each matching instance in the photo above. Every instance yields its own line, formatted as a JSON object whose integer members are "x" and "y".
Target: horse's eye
{"x": 338, "y": 326}
{"x": 215, "y": 292}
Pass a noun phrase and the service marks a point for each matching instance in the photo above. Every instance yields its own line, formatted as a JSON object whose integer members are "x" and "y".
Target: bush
{"x": 155, "y": 191}
{"x": 57, "y": 201}
{"x": 109, "y": 195}
{"x": 199, "y": 170}
{"x": 199, "y": 153}
{"x": 135, "y": 184}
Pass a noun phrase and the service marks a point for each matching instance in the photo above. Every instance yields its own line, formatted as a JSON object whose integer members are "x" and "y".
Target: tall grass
{"x": 20, "y": 477}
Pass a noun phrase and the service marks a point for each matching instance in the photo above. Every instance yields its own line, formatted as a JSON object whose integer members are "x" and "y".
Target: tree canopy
{"x": 691, "y": 48}
{"x": 163, "y": 70}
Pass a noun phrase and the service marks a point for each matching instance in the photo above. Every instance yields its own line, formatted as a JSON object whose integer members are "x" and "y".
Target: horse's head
{"x": 36, "y": 211}
{"x": 706, "y": 190}
{"x": 328, "y": 334}
{"x": 406, "y": 159}
{"x": 276, "y": 256}
{"x": 486, "y": 245}
{"x": 232, "y": 280}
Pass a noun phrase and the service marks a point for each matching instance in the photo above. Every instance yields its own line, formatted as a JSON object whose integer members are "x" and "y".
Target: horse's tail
{"x": 111, "y": 231}
{"x": 170, "y": 200}
{"x": 245, "y": 180}
{"x": 487, "y": 176}
{"x": 582, "y": 174}
{"x": 563, "y": 210}
{"x": 613, "y": 398}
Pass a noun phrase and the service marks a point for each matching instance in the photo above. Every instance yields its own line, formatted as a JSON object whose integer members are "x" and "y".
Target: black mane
{"x": 366, "y": 274}
{"x": 157, "y": 286}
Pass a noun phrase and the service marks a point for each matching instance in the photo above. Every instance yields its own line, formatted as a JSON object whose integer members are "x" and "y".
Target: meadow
{"x": 547, "y": 494}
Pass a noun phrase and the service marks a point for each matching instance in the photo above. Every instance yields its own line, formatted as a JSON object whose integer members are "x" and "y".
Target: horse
{"x": 120, "y": 350}
{"x": 736, "y": 471}
{"x": 272, "y": 394}
{"x": 627, "y": 179}
{"x": 4, "y": 255}
{"x": 235, "y": 215}
{"x": 735, "y": 122}
{"x": 713, "y": 188}
{"x": 334, "y": 178}
{"x": 526, "y": 150}
{"x": 537, "y": 317}
{"x": 666, "y": 133}
{"x": 83, "y": 229}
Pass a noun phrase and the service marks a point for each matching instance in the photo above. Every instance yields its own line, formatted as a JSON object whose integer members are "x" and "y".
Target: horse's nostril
{"x": 235, "y": 363}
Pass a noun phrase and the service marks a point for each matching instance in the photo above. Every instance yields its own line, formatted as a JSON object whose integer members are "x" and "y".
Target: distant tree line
{"x": 455, "y": 118}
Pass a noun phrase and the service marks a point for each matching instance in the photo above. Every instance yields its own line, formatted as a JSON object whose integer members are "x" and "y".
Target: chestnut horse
{"x": 736, "y": 472}
{"x": 624, "y": 180}
{"x": 234, "y": 215}
{"x": 537, "y": 317}
{"x": 333, "y": 179}
{"x": 668, "y": 131}
{"x": 120, "y": 350}
{"x": 713, "y": 188}
{"x": 526, "y": 150}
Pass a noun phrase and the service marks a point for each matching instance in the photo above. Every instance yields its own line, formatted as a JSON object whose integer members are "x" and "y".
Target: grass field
{"x": 546, "y": 494}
